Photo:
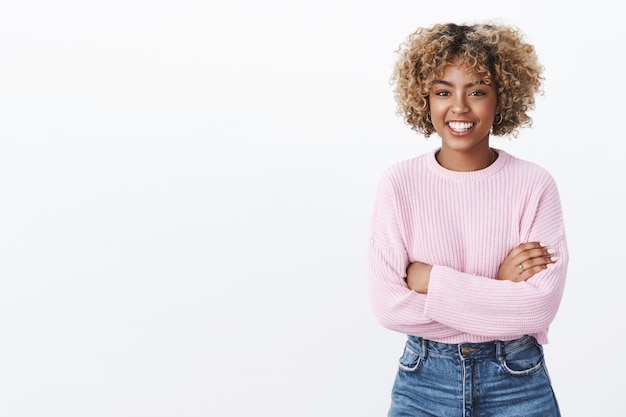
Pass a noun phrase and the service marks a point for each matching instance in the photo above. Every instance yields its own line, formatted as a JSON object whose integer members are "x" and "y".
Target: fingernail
{"x": 554, "y": 258}
{"x": 551, "y": 251}
{"x": 542, "y": 244}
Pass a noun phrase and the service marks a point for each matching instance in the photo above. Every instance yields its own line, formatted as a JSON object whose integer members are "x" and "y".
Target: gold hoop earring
{"x": 499, "y": 121}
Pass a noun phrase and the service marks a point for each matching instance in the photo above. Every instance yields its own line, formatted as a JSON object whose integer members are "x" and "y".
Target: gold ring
{"x": 520, "y": 266}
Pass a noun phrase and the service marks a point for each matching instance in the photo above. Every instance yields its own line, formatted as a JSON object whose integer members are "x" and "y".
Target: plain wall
{"x": 185, "y": 194}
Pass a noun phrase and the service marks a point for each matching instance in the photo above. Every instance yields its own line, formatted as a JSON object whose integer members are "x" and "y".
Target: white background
{"x": 185, "y": 192}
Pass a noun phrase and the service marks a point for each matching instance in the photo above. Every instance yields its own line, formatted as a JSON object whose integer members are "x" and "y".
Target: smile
{"x": 460, "y": 126}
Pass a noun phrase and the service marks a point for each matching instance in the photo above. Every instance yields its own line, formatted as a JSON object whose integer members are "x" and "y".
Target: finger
{"x": 520, "y": 250}
{"x": 544, "y": 260}
{"x": 526, "y": 246}
{"x": 534, "y": 253}
{"x": 529, "y": 268}
{"x": 530, "y": 272}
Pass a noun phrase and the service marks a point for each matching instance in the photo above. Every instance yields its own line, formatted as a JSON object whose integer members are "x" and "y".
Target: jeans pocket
{"x": 410, "y": 361}
{"x": 523, "y": 361}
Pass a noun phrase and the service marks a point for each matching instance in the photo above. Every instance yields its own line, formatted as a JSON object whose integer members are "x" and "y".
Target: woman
{"x": 446, "y": 264}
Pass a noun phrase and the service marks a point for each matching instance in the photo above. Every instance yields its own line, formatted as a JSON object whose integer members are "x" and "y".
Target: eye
{"x": 477, "y": 93}
{"x": 441, "y": 93}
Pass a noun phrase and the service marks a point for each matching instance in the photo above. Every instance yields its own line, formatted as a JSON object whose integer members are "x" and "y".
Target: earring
{"x": 499, "y": 121}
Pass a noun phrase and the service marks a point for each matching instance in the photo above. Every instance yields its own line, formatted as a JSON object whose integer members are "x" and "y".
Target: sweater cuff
{"x": 444, "y": 298}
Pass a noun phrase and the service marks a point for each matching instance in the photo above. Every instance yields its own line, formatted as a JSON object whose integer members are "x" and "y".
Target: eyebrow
{"x": 449, "y": 84}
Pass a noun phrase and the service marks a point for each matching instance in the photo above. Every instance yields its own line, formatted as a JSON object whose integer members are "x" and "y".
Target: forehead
{"x": 461, "y": 72}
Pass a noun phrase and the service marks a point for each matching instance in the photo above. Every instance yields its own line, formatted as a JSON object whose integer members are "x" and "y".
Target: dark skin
{"x": 522, "y": 262}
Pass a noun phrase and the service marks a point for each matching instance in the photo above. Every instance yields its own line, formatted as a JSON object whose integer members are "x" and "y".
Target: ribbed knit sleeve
{"x": 396, "y": 306}
{"x": 464, "y": 224}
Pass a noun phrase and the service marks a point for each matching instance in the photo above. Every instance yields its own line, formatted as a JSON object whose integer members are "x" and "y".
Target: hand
{"x": 525, "y": 260}
{"x": 418, "y": 276}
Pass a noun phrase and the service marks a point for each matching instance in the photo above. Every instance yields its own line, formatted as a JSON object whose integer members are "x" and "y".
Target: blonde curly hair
{"x": 500, "y": 52}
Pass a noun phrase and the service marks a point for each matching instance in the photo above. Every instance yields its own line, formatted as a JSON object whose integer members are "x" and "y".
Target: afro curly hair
{"x": 499, "y": 52}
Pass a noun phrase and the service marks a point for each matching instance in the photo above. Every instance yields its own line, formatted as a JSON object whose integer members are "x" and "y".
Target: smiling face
{"x": 462, "y": 110}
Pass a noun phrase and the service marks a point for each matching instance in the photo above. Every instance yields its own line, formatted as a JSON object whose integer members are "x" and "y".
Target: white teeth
{"x": 460, "y": 126}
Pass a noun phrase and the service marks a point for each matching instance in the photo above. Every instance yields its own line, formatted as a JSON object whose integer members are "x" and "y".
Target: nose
{"x": 459, "y": 105}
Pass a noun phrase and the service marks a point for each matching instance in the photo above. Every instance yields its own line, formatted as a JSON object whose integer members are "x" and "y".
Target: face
{"x": 462, "y": 109}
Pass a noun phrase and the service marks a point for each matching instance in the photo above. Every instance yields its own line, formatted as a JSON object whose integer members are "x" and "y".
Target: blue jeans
{"x": 493, "y": 379}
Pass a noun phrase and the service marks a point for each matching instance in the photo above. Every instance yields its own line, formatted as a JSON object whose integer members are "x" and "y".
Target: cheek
{"x": 489, "y": 112}
{"x": 432, "y": 105}
{"x": 437, "y": 113}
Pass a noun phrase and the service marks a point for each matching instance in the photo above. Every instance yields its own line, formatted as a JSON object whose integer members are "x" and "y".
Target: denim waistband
{"x": 468, "y": 350}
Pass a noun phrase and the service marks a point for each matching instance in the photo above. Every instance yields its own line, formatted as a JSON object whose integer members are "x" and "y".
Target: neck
{"x": 466, "y": 161}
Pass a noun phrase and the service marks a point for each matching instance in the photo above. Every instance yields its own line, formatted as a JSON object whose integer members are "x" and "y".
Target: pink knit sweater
{"x": 464, "y": 224}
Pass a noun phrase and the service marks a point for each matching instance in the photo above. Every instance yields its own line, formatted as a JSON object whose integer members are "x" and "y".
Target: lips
{"x": 460, "y": 126}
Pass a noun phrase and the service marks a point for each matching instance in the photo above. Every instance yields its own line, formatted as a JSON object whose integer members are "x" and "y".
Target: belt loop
{"x": 499, "y": 350}
{"x": 424, "y": 348}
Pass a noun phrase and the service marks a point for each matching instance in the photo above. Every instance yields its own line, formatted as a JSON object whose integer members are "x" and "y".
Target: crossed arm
{"x": 522, "y": 262}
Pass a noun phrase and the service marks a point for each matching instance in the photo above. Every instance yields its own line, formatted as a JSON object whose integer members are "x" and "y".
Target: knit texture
{"x": 465, "y": 224}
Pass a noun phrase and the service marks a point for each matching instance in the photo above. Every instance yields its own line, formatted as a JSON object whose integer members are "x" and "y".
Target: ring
{"x": 520, "y": 266}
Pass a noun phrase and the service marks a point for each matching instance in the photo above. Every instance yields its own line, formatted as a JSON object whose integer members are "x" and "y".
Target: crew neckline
{"x": 461, "y": 176}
